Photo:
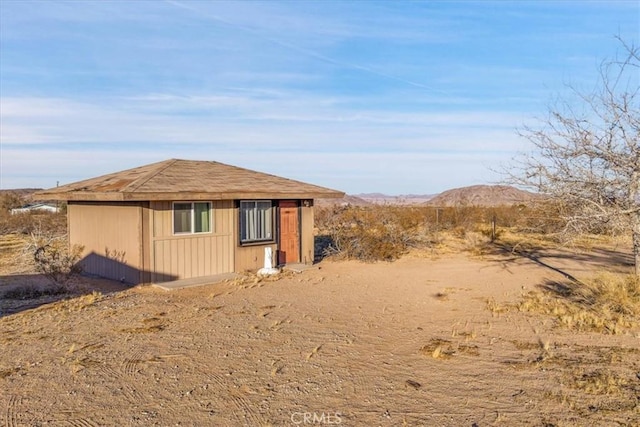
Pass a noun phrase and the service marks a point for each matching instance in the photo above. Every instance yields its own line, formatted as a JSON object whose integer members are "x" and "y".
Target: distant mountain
{"x": 483, "y": 195}
{"x": 346, "y": 200}
{"x": 475, "y": 195}
{"x": 403, "y": 199}
{"x": 371, "y": 195}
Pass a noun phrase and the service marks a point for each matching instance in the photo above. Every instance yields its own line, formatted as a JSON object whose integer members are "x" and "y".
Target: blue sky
{"x": 362, "y": 96}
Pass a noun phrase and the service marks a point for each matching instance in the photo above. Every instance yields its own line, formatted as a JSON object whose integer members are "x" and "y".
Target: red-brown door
{"x": 289, "y": 250}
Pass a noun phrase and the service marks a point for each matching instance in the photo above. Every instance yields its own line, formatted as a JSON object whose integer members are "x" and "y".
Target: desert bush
{"x": 380, "y": 233}
{"x": 52, "y": 256}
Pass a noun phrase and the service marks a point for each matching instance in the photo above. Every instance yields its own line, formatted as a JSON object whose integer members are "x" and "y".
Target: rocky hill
{"x": 403, "y": 199}
{"x": 482, "y": 195}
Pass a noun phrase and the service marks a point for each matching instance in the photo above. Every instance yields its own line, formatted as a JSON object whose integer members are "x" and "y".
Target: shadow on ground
{"x": 619, "y": 261}
{"x": 323, "y": 246}
{"x": 22, "y": 292}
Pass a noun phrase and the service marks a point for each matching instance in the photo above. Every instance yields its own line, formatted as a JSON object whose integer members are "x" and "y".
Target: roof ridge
{"x": 148, "y": 176}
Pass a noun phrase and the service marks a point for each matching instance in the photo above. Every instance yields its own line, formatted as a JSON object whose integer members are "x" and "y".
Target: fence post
{"x": 493, "y": 228}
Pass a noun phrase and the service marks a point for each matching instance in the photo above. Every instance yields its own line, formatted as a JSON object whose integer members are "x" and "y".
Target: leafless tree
{"x": 586, "y": 153}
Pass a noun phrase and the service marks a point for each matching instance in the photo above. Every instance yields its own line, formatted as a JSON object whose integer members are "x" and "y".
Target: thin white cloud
{"x": 290, "y": 123}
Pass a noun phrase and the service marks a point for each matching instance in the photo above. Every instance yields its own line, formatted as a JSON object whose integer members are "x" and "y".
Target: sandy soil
{"x": 405, "y": 343}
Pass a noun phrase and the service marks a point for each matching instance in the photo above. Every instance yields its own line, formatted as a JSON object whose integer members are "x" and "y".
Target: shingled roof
{"x": 177, "y": 179}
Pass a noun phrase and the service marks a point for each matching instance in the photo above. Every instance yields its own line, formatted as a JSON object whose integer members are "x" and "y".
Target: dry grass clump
{"x": 608, "y": 303}
{"x": 438, "y": 349}
{"x": 601, "y": 381}
{"x": 496, "y": 308}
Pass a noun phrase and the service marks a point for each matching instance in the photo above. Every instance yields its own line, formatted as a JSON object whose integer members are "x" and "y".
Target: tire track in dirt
{"x": 82, "y": 422}
{"x": 245, "y": 412}
{"x": 130, "y": 365}
{"x": 206, "y": 400}
{"x": 361, "y": 383}
{"x": 221, "y": 387}
{"x": 11, "y": 413}
{"x": 219, "y": 380}
{"x": 129, "y": 391}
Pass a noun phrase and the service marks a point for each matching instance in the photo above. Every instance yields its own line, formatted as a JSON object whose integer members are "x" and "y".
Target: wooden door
{"x": 289, "y": 250}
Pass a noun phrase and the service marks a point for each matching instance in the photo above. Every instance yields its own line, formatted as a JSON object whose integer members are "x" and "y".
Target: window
{"x": 191, "y": 217}
{"x": 256, "y": 221}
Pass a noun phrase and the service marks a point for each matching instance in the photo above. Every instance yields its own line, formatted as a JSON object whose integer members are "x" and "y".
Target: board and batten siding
{"x": 184, "y": 256}
{"x": 307, "y": 239}
{"x": 251, "y": 257}
{"x": 111, "y": 234}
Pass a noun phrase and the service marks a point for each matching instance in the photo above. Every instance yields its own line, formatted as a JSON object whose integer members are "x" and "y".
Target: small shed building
{"x": 180, "y": 219}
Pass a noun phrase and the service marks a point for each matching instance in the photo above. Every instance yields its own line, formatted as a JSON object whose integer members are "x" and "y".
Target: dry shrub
{"x": 53, "y": 257}
{"x": 608, "y": 303}
{"x": 381, "y": 233}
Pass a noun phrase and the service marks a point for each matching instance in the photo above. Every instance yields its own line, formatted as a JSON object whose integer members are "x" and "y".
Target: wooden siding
{"x": 251, "y": 258}
{"x": 146, "y": 245}
{"x": 191, "y": 255}
{"x": 307, "y": 239}
{"x": 111, "y": 234}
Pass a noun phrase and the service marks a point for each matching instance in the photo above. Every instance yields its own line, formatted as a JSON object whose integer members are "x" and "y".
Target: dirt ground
{"x": 417, "y": 342}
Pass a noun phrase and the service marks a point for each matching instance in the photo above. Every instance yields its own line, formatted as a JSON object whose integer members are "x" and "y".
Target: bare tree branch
{"x": 587, "y": 155}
